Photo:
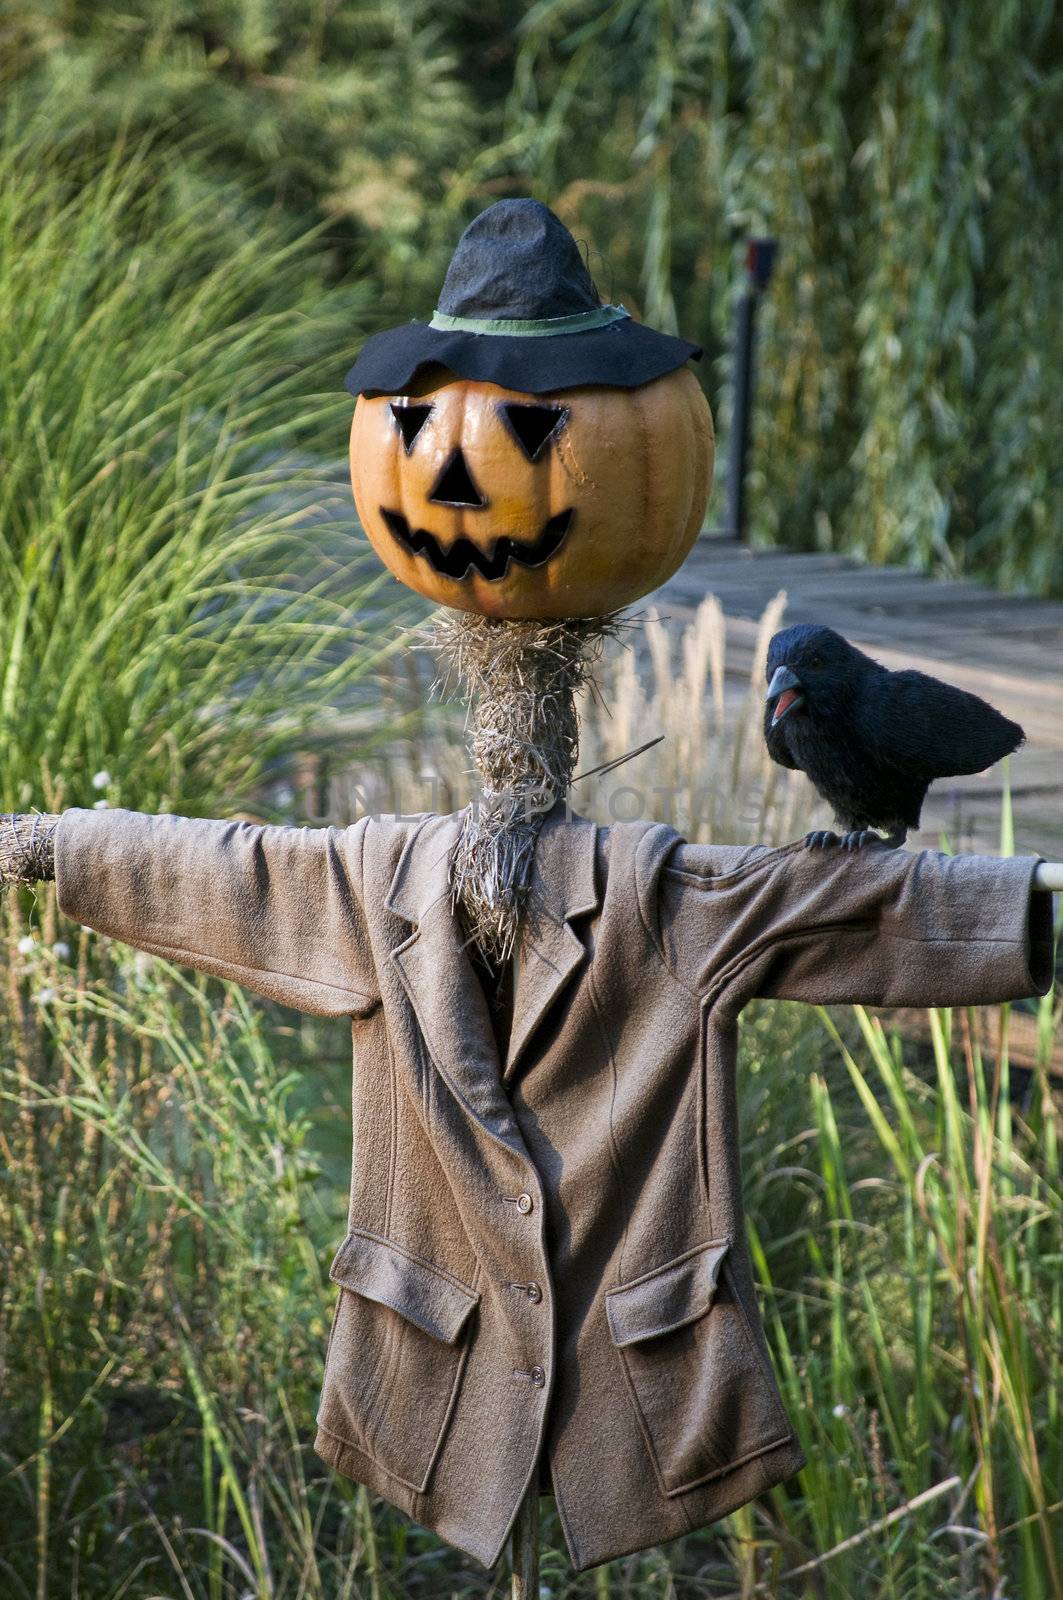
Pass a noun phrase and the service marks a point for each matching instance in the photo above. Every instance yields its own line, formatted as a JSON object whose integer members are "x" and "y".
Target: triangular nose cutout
{"x": 455, "y": 486}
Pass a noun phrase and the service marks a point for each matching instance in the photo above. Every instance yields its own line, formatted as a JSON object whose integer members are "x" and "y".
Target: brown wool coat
{"x": 546, "y": 1255}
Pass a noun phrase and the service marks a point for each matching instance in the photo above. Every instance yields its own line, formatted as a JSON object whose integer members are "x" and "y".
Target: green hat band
{"x": 534, "y": 328}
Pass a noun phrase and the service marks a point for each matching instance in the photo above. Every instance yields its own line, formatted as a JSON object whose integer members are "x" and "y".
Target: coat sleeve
{"x": 279, "y": 910}
{"x": 877, "y": 926}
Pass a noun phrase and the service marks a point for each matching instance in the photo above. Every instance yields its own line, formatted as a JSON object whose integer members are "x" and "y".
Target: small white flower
{"x": 44, "y": 997}
{"x": 61, "y": 949}
{"x": 840, "y": 1410}
{"x": 141, "y": 968}
{"x": 101, "y": 779}
{"x": 100, "y": 805}
{"x": 26, "y": 944}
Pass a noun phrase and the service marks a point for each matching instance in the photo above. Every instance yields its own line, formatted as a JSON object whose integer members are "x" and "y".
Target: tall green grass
{"x": 183, "y": 587}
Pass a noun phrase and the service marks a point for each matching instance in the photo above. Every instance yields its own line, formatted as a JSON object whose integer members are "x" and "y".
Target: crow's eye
{"x": 816, "y": 663}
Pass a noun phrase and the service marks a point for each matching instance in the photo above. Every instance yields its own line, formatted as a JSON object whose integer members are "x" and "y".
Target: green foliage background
{"x": 905, "y": 155}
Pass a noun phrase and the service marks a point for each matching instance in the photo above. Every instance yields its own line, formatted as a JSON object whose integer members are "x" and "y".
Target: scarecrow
{"x": 544, "y": 1282}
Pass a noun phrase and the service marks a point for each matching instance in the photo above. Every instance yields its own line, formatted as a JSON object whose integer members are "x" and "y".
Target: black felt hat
{"x": 518, "y": 308}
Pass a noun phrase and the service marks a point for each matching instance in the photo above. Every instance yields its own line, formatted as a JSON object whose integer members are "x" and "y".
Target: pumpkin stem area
{"x": 521, "y": 679}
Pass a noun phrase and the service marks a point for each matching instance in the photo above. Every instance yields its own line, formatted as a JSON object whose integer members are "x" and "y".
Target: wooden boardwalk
{"x": 1003, "y": 647}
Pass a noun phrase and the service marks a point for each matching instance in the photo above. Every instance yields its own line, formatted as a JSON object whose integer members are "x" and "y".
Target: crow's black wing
{"x": 929, "y": 729}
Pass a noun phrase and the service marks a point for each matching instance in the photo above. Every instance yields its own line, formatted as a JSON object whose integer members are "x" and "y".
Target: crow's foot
{"x": 821, "y": 839}
{"x": 858, "y": 837}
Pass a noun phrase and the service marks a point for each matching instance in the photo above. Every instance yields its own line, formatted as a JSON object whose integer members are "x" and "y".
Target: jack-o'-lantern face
{"x": 517, "y": 505}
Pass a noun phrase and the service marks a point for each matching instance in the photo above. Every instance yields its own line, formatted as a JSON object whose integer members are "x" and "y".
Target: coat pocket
{"x": 400, "y": 1336}
{"x": 705, "y": 1399}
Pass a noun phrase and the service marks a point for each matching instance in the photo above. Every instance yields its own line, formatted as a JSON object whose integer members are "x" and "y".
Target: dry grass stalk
{"x": 711, "y": 776}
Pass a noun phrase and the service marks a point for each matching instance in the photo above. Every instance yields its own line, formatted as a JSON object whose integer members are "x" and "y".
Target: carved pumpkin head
{"x": 569, "y": 503}
{"x": 529, "y": 452}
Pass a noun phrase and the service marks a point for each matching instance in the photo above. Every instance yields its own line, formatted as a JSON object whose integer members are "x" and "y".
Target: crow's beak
{"x": 785, "y": 687}
{"x": 782, "y": 678}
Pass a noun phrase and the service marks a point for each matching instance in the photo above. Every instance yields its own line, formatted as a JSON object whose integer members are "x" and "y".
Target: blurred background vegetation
{"x": 906, "y": 156}
{"x": 204, "y": 209}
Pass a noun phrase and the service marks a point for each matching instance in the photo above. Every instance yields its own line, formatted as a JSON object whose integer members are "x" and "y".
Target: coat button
{"x": 535, "y": 1294}
{"x": 537, "y": 1376}
{"x": 524, "y": 1204}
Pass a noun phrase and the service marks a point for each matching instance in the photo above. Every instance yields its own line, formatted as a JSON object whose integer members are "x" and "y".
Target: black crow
{"x": 872, "y": 741}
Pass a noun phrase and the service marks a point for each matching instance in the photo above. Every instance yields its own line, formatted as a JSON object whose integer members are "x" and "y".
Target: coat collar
{"x": 563, "y": 877}
{"x": 439, "y": 976}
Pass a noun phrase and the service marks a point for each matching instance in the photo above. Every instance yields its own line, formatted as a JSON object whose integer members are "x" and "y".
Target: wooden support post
{"x": 524, "y": 1545}
{"x": 760, "y": 259}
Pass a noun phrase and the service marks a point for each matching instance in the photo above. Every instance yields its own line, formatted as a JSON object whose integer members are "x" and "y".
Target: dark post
{"x": 760, "y": 259}
{"x": 524, "y": 1545}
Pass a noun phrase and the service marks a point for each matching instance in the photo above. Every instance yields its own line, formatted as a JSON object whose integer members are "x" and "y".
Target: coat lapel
{"x": 562, "y": 887}
{"x": 440, "y": 979}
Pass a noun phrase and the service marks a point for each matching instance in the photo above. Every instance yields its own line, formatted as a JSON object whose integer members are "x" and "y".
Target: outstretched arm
{"x": 279, "y": 910}
{"x": 881, "y": 927}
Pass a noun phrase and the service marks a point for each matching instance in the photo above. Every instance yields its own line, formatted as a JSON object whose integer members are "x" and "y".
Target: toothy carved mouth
{"x": 458, "y": 559}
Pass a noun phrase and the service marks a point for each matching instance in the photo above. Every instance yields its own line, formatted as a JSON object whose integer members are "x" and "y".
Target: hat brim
{"x": 622, "y": 355}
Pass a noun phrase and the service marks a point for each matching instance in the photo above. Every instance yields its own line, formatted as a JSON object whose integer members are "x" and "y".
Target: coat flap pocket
{"x": 425, "y": 1295}
{"x": 668, "y": 1297}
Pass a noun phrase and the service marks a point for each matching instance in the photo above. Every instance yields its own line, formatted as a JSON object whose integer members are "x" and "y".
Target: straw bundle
{"x": 521, "y": 679}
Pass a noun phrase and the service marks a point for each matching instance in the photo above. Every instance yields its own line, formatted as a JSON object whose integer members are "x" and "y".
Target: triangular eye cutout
{"x": 411, "y": 419}
{"x": 534, "y": 426}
